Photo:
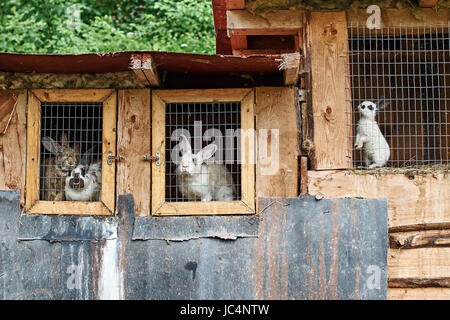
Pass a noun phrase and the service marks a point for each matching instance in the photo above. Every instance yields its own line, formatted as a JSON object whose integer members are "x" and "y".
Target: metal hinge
{"x": 156, "y": 157}
{"x": 112, "y": 158}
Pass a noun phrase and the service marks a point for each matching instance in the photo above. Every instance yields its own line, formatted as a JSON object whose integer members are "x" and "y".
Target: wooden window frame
{"x": 246, "y": 205}
{"x": 32, "y": 203}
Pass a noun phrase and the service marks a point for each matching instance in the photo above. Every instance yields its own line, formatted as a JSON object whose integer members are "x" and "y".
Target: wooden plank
{"x": 427, "y": 3}
{"x": 278, "y": 19}
{"x": 158, "y": 179}
{"x": 304, "y": 175}
{"x": 235, "y": 4}
{"x": 327, "y": 33}
{"x": 248, "y": 152}
{"x": 7, "y": 106}
{"x": 72, "y": 95}
{"x": 410, "y": 240}
{"x": 402, "y": 17}
{"x": 136, "y": 66}
{"x": 33, "y": 150}
{"x": 419, "y": 283}
{"x": 418, "y": 294}
{"x": 13, "y": 149}
{"x": 195, "y": 208}
{"x": 150, "y": 70}
{"x": 277, "y": 175}
{"x": 109, "y": 145}
{"x": 206, "y": 95}
{"x": 92, "y": 208}
{"x": 414, "y": 204}
{"x": 423, "y": 263}
{"x": 133, "y": 142}
{"x": 291, "y": 66}
{"x": 238, "y": 42}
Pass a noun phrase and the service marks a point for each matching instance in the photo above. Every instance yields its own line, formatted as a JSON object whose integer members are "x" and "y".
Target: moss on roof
{"x": 267, "y": 5}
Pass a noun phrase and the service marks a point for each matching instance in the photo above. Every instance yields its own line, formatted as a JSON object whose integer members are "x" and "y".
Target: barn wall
{"x": 297, "y": 248}
{"x": 419, "y": 204}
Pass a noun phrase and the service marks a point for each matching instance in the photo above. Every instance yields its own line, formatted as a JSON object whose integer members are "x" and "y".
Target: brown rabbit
{"x": 55, "y": 169}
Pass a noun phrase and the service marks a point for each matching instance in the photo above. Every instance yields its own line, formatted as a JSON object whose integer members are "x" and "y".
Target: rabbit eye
{"x": 370, "y": 107}
{"x": 363, "y": 107}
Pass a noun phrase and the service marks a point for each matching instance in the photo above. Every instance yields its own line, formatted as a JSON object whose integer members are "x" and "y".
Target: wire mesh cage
{"x": 71, "y": 148}
{"x": 205, "y": 166}
{"x": 401, "y": 75}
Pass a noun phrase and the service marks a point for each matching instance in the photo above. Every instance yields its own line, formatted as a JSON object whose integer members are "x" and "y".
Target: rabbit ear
{"x": 184, "y": 145}
{"x": 207, "y": 152}
{"x": 64, "y": 140}
{"x": 382, "y": 103}
{"x": 51, "y": 145}
{"x": 86, "y": 158}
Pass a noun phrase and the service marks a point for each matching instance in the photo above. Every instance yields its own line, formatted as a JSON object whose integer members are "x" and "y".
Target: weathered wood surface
{"x": 13, "y": 149}
{"x": 7, "y": 106}
{"x": 327, "y": 32}
{"x": 419, "y": 294}
{"x": 422, "y": 263}
{"x": 410, "y": 240}
{"x": 414, "y": 204}
{"x": 403, "y": 17}
{"x": 244, "y": 22}
{"x": 133, "y": 142}
{"x": 278, "y": 146}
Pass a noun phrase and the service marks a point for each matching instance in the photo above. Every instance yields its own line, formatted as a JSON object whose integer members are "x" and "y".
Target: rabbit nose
{"x": 76, "y": 175}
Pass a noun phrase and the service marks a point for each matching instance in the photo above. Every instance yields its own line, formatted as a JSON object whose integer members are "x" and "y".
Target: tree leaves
{"x": 81, "y": 26}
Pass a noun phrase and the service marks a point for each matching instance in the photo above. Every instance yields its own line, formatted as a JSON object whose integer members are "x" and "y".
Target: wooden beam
{"x": 235, "y": 4}
{"x": 276, "y": 127}
{"x": 144, "y": 67}
{"x": 427, "y": 3}
{"x": 419, "y": 283}
{"x": 150, "y": 70}
{"x": 133, "y": 142}
{"x": 411, "y": 240}
{"x": 327, "y": 32}
{"x": 414, "y": 204}
{"x": 418, "y": 294}
{"x": 290, "y": 63}
{"x": 402, "y": 17}
{"x": 424, "y": 263}
{"x": 282, "y": 20}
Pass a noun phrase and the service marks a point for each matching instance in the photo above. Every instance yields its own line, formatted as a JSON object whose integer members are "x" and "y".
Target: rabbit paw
{"x": 206, "y": 198}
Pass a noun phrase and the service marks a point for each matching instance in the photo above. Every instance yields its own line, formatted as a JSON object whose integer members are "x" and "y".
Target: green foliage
{"x": 52, "y": 26}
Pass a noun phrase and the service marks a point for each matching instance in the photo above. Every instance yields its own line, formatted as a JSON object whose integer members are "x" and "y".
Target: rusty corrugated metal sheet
{"x": 300, "y": 248}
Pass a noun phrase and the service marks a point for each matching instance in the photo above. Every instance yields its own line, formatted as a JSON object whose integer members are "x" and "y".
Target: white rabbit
{"x": 201, "y": 181}
{"x": 375, "y": 148}
{"x": 84, "y": 182}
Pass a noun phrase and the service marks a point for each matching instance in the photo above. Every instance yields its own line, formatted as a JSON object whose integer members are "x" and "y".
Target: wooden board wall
{"x": 13, "y": 149}
{"x": 276, "y": 109}
{"x": 133, "y": 142}
{"x": 327, "y": 34}
{"x": 413, "y": 203}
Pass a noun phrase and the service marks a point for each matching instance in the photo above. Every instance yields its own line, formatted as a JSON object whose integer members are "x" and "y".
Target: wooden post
{"x": 327, "y": 33}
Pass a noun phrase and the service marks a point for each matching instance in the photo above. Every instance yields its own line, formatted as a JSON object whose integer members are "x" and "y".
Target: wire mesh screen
{"x": 203, "y": 152}
{"x": 71, "y": 147}
{"x": 401, "y": 76}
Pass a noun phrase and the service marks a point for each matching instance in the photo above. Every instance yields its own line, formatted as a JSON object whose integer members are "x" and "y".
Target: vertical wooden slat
{"x": 133, "y": 142}
{"x": 328, "y": 33}
{"x": 248, "y": 150}
{"x": 13, "y": 149}
{"x": 275, "y": 110}
{"x": 33, "y": 150}
{"x": 158, "y": 145}
{"x": 109, "y": 145}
